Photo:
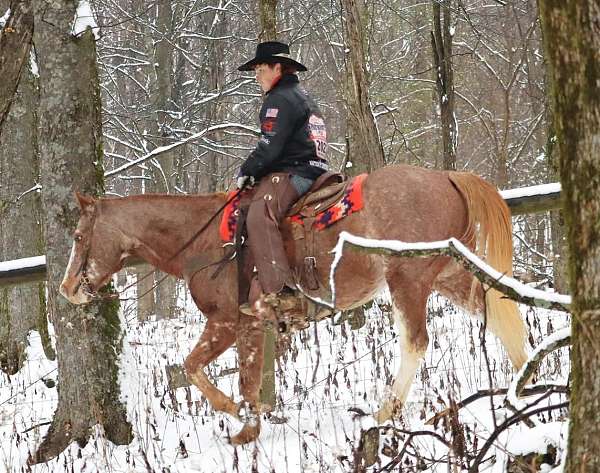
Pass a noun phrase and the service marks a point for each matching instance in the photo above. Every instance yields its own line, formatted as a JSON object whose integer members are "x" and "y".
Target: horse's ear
{"x": 85, "y": 201}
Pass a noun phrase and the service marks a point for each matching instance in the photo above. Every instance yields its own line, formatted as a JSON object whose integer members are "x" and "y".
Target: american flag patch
{"x": 271, "y": 112}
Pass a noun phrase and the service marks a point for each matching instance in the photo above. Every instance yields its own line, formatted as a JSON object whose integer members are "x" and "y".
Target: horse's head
{"x": 97, "y": 254}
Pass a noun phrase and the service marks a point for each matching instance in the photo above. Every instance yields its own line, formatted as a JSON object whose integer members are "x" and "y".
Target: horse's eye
{"x": 77, "y": 238}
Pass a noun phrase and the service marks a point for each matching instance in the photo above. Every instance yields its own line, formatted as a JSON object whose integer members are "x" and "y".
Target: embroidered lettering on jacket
{"x": 318, "y": 134}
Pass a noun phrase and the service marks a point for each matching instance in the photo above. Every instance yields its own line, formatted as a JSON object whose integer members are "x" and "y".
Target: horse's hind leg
{"x": 409, "y": 287}
{"x": 217, "y": 337}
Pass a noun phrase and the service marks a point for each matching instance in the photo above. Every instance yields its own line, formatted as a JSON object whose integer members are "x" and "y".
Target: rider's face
{"x": 267, "y": 75}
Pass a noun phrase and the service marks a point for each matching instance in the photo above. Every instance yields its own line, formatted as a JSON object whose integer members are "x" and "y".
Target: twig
{"x": 538, "y": 389}
{"x": 474, "y": 468}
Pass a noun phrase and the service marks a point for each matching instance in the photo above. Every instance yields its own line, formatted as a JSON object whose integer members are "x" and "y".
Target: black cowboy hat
{"x": 272, "y": 52}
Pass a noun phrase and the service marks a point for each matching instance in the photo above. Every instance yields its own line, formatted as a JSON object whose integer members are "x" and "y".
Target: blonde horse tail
{"x": 490, "y": 229}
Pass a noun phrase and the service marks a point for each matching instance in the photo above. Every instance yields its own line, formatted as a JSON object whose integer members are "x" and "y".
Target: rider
{"x": 289, "y": 156}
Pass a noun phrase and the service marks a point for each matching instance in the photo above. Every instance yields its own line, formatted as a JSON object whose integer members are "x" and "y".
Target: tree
{"x": 15, "y": 43}
{"x": 441, "y": 41}
{"x": 365, "y": 151}
{"x": 572, "y": 46}
{"x": 87, "y": 338}
{"x": 22, "y": 308}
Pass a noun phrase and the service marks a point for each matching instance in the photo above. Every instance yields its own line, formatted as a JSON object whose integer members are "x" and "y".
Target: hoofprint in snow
{"x": 322, "y": 376}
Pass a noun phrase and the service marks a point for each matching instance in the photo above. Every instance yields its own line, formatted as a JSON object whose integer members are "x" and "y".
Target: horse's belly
{"x": 358, "y": 278}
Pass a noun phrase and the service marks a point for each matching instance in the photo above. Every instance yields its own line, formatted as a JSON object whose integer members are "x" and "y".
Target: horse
{"x": 400, "y": 203}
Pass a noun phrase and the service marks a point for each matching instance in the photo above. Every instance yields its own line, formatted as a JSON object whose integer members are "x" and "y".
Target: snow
{"x": 319, "y": 380}
{"x": 542, "y": 189}
{"x": 4, "y": 18}
{"x": 22, "y": 263}
{"x": 84, "y": 19}
{"x": 328, "y": 370}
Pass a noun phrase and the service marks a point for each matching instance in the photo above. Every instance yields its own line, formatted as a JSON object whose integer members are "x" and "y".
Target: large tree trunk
{"x": 15, "y": 43}
{"x": 572, "y": 46}
{"x": 22, "y": 308}
{"x": 365, "y": 151}
{"x": 441, "y": 40}
{"x": 87, "y": 337}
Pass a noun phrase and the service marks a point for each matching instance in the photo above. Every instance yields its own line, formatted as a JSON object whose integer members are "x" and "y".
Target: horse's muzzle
{"x": 73, "y": 291}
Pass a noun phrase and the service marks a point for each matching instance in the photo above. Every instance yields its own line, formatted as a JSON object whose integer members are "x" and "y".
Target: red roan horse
{"x": 400, "y": 202}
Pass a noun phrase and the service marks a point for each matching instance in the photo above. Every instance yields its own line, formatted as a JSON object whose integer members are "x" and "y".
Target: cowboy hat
{"x": 271, "y": 52}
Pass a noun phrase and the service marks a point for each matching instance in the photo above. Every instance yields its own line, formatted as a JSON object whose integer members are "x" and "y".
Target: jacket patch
{"x": 318, "y": 134}
{"x": 272, "y": 112}
{"x": 268, "y": 125}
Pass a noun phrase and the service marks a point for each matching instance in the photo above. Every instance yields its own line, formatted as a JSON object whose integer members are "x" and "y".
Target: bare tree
{"x": 572, "y": 45}
{"x": 87, "y": 338}
{"x": 15, "y": 43}
{"x": 365, "y": 151}
{"x": 441, "y": 41}
{"x": 22, "y": 308}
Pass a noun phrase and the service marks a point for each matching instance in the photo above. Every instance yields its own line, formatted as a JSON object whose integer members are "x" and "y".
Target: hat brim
{"x": 249, "y": 66}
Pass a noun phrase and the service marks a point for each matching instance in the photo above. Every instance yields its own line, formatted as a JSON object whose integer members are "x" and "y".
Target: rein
{"x": 85, "y": 282}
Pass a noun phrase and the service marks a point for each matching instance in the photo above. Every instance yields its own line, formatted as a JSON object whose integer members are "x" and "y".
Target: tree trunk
{"x": 15, "y": 43}
{"x": 572, "y": 47}
{"x": 268, "y": 22}
{"x": 22, "y": 308}
{"x": 165, "y": 294}
{"x": 365, "y": 152}
{"x": 87, "y": 337}
{"x": 441, "y": 40}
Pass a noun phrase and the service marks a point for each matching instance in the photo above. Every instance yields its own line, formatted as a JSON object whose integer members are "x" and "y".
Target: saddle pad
{"x": 351, "y": 201}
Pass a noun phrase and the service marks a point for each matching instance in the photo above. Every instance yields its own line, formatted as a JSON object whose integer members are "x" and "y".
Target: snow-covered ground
{"x": 328, "y": 370}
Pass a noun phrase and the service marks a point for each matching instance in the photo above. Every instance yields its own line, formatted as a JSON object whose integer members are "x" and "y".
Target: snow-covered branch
{"x": 163, "y": 149}
{"x": 452, "y": 247}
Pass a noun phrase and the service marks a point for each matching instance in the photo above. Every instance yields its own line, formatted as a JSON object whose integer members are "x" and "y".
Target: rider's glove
{"x": 245, "y": 181}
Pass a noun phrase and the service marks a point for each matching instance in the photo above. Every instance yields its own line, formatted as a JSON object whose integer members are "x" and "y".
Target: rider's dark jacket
{"x": 293, "y": 136}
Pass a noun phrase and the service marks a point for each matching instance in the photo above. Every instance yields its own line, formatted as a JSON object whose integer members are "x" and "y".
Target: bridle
{"x": 84, "y": 280}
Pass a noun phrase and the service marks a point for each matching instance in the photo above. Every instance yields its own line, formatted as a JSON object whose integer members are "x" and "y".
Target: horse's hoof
{"x": 249, "y": 433}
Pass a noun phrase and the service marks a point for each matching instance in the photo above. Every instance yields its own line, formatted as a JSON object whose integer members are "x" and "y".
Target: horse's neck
{"x": 159, "y": 226}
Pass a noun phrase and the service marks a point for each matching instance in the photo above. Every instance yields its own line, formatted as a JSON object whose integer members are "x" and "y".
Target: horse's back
{"x": 412, "y": 204}
{"x": 401, "y": 203}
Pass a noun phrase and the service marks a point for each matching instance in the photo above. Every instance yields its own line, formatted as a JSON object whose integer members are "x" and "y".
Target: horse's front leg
{"x": 250, "y": 346}
{"x": 217, "y": 337}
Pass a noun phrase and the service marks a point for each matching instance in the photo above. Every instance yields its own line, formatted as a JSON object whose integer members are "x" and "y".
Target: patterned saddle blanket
{"x": 327, "y": 204}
